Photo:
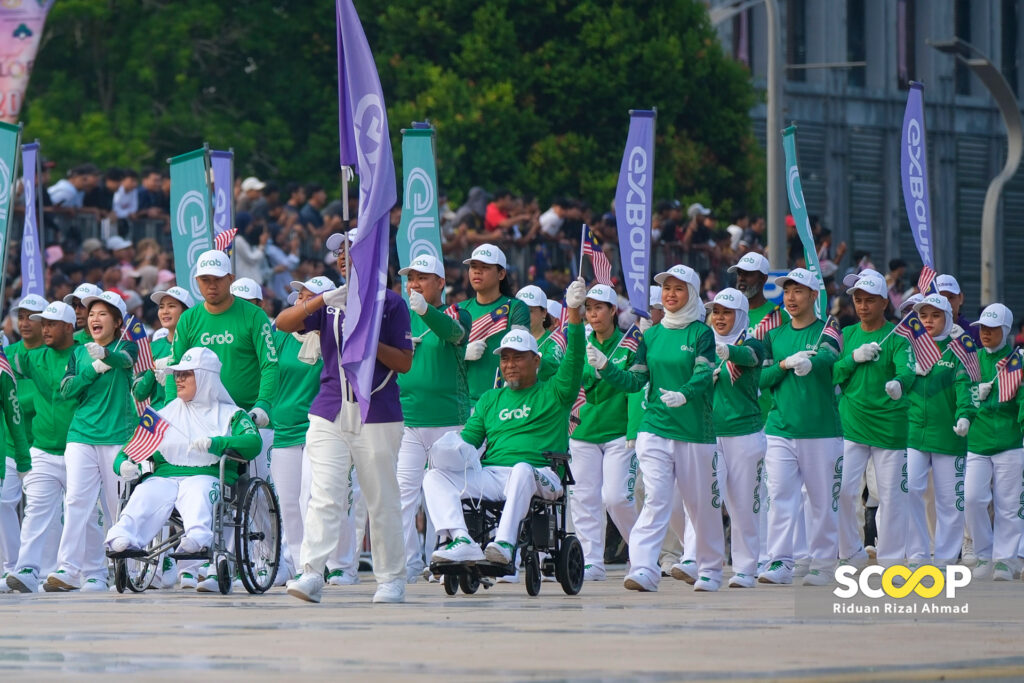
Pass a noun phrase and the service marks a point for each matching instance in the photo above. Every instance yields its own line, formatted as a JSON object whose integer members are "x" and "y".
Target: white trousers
{"x": 152, "y": 501}
{"x": 412, "y": 463}
{"x": 10, "y": 527}
{"x": 605, "y": 480}
{"x": 44, "y": 506}
{"x": 289, "y": 468}
{"x": 668, "y": 465}
{"x": 332, "y": 452}
{"x": 948, "y": 473}
{"x": 90, "y": 473}
{"x": 740, "y": 469}
{"x": 793, "y": 464}
{"x": 995, "y": 479}
{"x": 891, "y": 519}
{"x": 517, "y": 485}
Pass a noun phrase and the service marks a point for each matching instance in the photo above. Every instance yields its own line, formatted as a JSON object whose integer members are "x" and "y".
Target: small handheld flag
{"x": 1008, "y": 373}
{"x": 489, "y": 324}
{"x": 223, "y": 240}
{"x": 147, "y": 437}
{"x": 452, "y": 312}
{"x": 559, "y": 335}
{"x": 574, "y": 412}
{"x": 734, "y": 371}
{"x": 768, "y": 323}
{"x": 964, "y": 348}
{"x": 137, "y": 335}
{"x": 631, "y": 340}
{"x": 925, "y": 281}
{"x": 5, "y": 365}
{"x": 926, "y": 352}
{"x": 833, "y": 330}
{"x": 600, "y": 263}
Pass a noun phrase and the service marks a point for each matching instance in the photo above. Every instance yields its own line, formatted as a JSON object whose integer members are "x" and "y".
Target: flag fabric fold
{"x": 734, "y": 371}
{"x": 147, "y": 437}
{"x": 598, "y": 261}
{"x": 489, "y": 324}
{"x": 1008, "y": 374}
{"x": 926, "y": 351}
{"x": 768, "y": 323}
{"x": 964, "y": 348}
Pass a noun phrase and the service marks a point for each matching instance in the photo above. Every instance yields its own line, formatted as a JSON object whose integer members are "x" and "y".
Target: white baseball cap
{"x": 730, "y": 298}
{"x": 247, "y": 288}
{"x": 117, "y": 242}
{"x": 179, "y": 293}
{"x": 517, "y": 340}
{"x": 752, "y": 262}
{"x": 292, "y": 298}
{"x": 910, "y": 301}
{"x": 995, "y": 315}
{"x": 336, "y": 239}
{"x": 81, "y": 291}
{"x": 317, "y": 285}
{"x": 605, "y": 294}
{"x": 489, "y": 254}
{"x": 424, "y": 263}
{"x": 252, "y": 183}
{"x": 110, "y": 298}
{"x": 800, "y": 276}
{"x": 679, "y": 272}
{"x": 695, "y": 209}
{"x": 947, "y": 283}
{"x": 59, "y": 311}
{"x": 554, "y": 309}
{"x": 655, "y": 301}
{"x": 870, "y": 284}
{"x": 935, "y": 301}
{"x": 161, "y": 333}
{"x": 214, "y": 262}
{"x": 31, "y": 302}
{"x": 532, "y": 295}
{"x": 850, "y": 279}
{"x": 198, "y": 358}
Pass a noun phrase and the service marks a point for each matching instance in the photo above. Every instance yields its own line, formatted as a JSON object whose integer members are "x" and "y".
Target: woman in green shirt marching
{"x": 99, "y": 377}
{"x": 152, "y": 384}
{"x": 550, "y": 345}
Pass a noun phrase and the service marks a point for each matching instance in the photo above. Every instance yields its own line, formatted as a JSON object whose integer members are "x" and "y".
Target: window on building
{"x": 856, "y": 48}
{"x": 962, "y": 29}
{"x": 906, "y": 43}
{"x": 796, "y": 38}
{"x": 1008, "y": 25}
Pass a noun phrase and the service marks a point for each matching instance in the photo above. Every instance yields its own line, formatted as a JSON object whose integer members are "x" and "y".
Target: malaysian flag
{"x": 734, "y": 371}
{"x": 137, "y": 334}
{"x": 833, "y": 330}
{"x": 925, "y": 281}
{"x": 222, "y": 240}
{"x": 926, "y": 352}
{"x": 5, "y": 365}
{"x": 452, "y": 312}
{"x": 489, "y": 324}
{"x": 147, "y": 437}
{"x": 574, "y": 412}
{"x": 964, "y": 348}
{"x": 631, "y": 340}
{"x": 1008, "y": 372}
{"x": 768, "y": 323}
{"x": 559, "y": 335}
{"x": 600, "y": 263}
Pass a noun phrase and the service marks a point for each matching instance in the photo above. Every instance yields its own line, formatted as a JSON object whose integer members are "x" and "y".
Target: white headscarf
{"x": 1002, "y": 314}
{"x": 693, "y": 310}
{"x": 940, "y": 302}
{"x": 734, "y": 299}
{"x": 208, "y": 414}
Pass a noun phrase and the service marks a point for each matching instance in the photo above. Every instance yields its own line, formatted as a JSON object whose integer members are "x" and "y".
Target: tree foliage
{"x": 530, "y": 94}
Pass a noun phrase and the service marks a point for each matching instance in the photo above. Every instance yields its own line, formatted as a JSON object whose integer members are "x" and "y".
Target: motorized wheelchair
{"x": 246, "y": 512}
{"x": 541, "y": 531}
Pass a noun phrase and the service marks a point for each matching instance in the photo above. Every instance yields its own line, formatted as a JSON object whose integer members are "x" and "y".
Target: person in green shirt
{"x": 803, "y": 430}
{"x": 152, "y": 384}
{"x": 184, "y": 473}
{"x": 518, "y": 422}
{"x": 74, "y": 300}
{"x": 550, "y": 343}
{"x": 45, "y": 484}
{"x": 98, "y": 377}
{"x": 875, "y": 370}
{"x": 995, "y": 458}
{"x": 434, "y": 393}
{"x": 676, "y": 440}
{"x": 939, "y": 418}
{"x": 739, "y": 429}
{"x": 603, "y": 466}
{"x": 493, "y": 303}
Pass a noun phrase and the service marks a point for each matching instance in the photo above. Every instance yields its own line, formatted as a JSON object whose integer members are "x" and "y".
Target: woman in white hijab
{"x": 676, "y": 440}
{"x": 184, "y": 472}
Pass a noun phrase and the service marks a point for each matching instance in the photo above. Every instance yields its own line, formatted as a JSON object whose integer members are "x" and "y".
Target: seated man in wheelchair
{"x": 519, "y": 422}
{"x": 185, "y": 472}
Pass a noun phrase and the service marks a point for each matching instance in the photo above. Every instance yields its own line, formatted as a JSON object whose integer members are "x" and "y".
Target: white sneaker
{"x": 742, "y": 581}
{"x": 307, "y": 587}
{"x": 706, "y": 584}
{"x": 816, "y": 577}
{"x": 641, "y": 581}
{"x": 460, "y": 549}
{"x": 23, "y": 581}
{"x": 187, "y": 581}
{"x": 59, "y": 581}
{"x": 1002, "y": 572}
{"x": 592, "y": 573}
{"x": 412, "y": 574}
{"x": 967, "y": 556}
{"x": 859, "y": 559}
{"x": 777, "y": 572}
{"x": 685, "y": 570}
{"x": 340, "y": 577}
{"x": 210, "y": 585}
{"x": 390, "y": 592}
{"x": 666, "y": 565}
{"x": 499, "y": 552}
{"x": 801, "y": 567}
{"x": 982, "y": 569}
{"x": 94, "y": 586}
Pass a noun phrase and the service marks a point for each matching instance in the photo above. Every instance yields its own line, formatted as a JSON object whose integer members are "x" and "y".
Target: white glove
{"x": 337, "y": 297}
{"x": 99, "y": 366}
{"x": 984, "y": 389}
{"x": 672, "y": 399}
{"x": 129, "y": 471}
{"x": 865, "y": 353}
{"x": 963, "y": 425}
{"x": 160, "y": 370}
{"x": 715, "y": 374}
{"x": 95, "y": 350}
{"x": 417, "y": 303}
{"x": 799, "y": 363}
{"x": 576, "y": 294}
{"x": 894, "y": 389}
{"x": 260, "y": 417}
{"x": 643, "y": 324}
{"x": 596, "y": 358}
{"x": 920, "y": 371}
{"x": 722, "y": 351}
{"x": 202, "y": 445}
{"x": 475, "y": 350}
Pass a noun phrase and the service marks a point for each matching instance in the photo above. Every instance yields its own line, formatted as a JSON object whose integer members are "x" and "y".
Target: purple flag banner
{"x": 31, "y": 256}
{"x": 222, "y": 165}
{"x": 914, "y": 173}
{"x": 364, "y": 143}
{"x": 633, "y": 207}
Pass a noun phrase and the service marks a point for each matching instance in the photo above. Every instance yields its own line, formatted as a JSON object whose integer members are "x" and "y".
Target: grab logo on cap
{"x": 187, "y": 358}
{"x": 725, "y": 297}
{"x": 211, "y": 262}
{"x": 484, "y": 252}
{"x": 990, "y": 314}
{"x": 51, "y": 309}
{"x": 420, "y": 262}
{"x": 514, "y": 340}
{"x": 528, "y": 295}
{"x": 242, "y": 288}
{"x": 748, "y": 259}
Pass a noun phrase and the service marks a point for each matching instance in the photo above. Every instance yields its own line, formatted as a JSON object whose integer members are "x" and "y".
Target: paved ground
{"x": 605, "y": 634}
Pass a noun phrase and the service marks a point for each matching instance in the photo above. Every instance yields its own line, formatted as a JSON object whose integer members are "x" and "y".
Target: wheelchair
{"x": 541, "y": 531}
{"x": 246, "y": 512}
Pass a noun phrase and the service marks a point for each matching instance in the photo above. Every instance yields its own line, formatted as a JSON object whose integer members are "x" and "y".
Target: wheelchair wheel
{"x": 223, "y": 576}
{"x": 531, "y": 565}
{"x": 569, "y": 566}
{"x": 469, "y": 584}
{"x": 120, "y": 576}
{"x": 141, "y": 572}
{"x": 451, "y": 584}
{"x": 258, "y": 537}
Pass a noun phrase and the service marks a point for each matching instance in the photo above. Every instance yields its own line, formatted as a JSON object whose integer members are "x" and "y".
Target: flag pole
{"x": 894, "y": 328}
{"x": 583, "y": 234}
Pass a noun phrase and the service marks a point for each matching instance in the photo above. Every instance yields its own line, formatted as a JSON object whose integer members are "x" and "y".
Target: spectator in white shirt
{"x": 126, "y": 199}
{"x": 70, "y": 191}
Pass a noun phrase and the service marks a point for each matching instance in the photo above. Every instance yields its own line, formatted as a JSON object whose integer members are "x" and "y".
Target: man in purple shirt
{"x": 337, "y": 438}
